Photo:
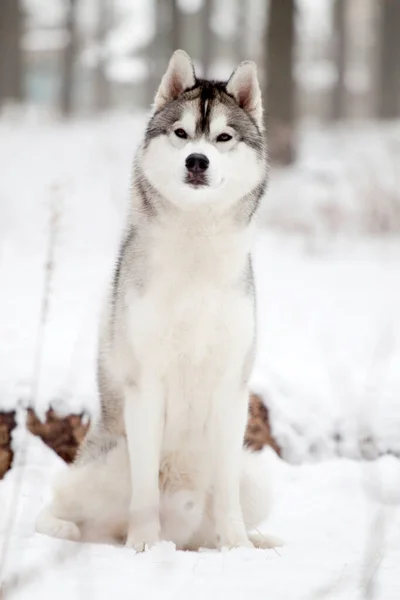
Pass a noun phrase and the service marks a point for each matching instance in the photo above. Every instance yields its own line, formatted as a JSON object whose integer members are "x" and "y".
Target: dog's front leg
{"x": 230, "y": 421}
{"x": 144, "y": 411}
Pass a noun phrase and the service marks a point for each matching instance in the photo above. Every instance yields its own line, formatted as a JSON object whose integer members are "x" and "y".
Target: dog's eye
{"x": 224, "y": 137}
{"x": 181, "y": 133}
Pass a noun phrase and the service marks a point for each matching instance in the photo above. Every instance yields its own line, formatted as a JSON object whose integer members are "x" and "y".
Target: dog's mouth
{"x": 196, "y": 179}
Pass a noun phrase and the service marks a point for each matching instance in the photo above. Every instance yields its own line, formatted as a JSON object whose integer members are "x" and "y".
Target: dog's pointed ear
{"x": 243, "y": 85}
{"x": 178, "y": 77}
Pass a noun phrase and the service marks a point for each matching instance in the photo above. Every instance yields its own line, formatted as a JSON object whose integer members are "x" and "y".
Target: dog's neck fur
{"x": 200, "y": 241}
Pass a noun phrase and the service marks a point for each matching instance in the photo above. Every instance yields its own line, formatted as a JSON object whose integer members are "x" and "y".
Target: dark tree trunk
{"x": 207, "y": 49}
{"x": 240, "y": 38}
{"x": 388, "y": 93}
{"x": 176, "y": 41}
{"x": 10, "y": 51}
{"x": 280, "y": 92}
{"x": 68, "y": 60}
{"x": 102, "y": 92}
{"x": 166, "y": 39}
{"x": 339, "y": 99}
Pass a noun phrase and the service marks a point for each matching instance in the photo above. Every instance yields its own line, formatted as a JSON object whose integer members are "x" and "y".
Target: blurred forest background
{"x": 326, "y": 59}
{"x": 76, "y": 80}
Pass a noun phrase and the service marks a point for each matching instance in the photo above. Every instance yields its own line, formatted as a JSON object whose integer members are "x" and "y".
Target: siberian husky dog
{"x": 166, "y": 459}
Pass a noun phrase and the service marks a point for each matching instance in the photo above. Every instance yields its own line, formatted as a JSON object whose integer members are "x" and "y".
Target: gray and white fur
{"x": 166, "y": 459}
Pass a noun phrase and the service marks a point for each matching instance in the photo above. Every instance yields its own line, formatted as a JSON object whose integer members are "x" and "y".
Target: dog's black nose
{"x": 197, "y": 163}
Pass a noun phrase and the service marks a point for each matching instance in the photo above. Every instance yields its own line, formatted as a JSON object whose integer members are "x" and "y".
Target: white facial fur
{"x": 234, "y": 168}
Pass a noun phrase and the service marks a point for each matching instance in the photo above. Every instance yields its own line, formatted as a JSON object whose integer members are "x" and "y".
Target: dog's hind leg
{"x": 61, "y": 516}
{"x": 90, "y": 499}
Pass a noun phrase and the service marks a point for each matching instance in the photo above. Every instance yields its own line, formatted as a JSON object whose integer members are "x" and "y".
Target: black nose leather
{"x": 197, "y": 163}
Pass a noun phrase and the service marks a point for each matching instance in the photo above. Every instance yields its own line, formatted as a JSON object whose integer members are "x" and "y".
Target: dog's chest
{"x": 194, "y": 309}
{"x": 192, "y": 329}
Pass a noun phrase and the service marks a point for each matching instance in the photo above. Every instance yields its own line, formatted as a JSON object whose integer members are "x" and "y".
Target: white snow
{"x": 135, "y": 31}
{"x": 82, "y": 172}
{"x": 127, "y": 70}
{"x": 320, "y": 75}
{"x": 340, "y": 522}
{"x": 40, "y": 40}
{"x": 190, "y": 6}
{"x": 328, "y": 361}
{"x": 346, "y": 180}
{"x": 223, "y": 19}
{"x": 329, "y": 356}
{"x": 314, "y": 19}
{"x": 327, "y": 264}
{"x": 41, "y": 13}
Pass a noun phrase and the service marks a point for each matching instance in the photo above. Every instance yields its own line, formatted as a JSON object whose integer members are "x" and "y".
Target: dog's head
{"x": 205, "y": 143}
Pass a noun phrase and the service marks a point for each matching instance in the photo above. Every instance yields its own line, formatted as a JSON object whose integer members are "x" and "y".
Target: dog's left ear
{"x": 243, "y": 85}
{"x": 178, "y": 78}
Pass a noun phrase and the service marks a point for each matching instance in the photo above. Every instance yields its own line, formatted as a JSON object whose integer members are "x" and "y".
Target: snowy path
{"x": 324, "y": 512}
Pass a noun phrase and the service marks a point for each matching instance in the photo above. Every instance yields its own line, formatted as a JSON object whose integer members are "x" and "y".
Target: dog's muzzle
{"x": 196, "y": 166}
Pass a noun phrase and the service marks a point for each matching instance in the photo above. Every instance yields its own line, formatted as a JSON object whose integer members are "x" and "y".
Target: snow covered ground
{"x": 339, "y": 519}
{"x": 328, "y": 363}
{"x": 329, "y": 294}
{"x": 329, "y": 355}
{"x": 346, "y": 181}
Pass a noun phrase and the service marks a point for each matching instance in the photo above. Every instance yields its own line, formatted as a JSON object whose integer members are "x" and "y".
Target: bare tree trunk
{"x": 280, "y": 86}
{"x": 388, "y": 68}
{"x": 240, "y": 41}
{"x": 372, "y": 57}
{"x": 68, "y": 61}
{"x": 102, "y": 92}
{"x": 167, "y": 38}
{"x": 10, "y": 51}
{"x": 339, "y": 99}
{"x": 177, "y": 38}
{"x": 207, "y": 48}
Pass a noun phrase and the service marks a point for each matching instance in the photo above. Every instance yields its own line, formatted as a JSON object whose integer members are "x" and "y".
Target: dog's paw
{"x": 233, "y": 537}
{"x": 231, "y": 543}
{"x": 66, "y": 530}
{"x": 265, "y": 541}
{"x": 48, "y": 524}
{"x": 143, "y": 538}
{"x": 140, "y": 547}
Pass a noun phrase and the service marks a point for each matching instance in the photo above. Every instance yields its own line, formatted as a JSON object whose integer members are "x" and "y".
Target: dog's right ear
{"x": 178, "y": 78}
{"x": 243, "y": 85}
